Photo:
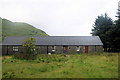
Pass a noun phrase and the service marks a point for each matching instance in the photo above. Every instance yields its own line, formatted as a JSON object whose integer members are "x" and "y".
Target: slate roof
{"x": 55, "y": 40}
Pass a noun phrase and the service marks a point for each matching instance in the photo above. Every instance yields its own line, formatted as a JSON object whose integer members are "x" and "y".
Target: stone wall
{"x": 4, "y": 50}
{"x": 95, "y": 49}
{"x": 41, "y": 49}
{"x": 9, "y": 50}
{"x": 50, "y": 49}
{"x": 56, "y": 49}
{"x": 99, "y": 48}
{"x": 91, "y": 49}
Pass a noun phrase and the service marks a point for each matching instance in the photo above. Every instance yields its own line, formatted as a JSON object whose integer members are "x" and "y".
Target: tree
{"x": 101, "y": 28}
{"x": 29, "y": 49}
{"x": 29, "y": 45}
{"x": 116, "y": 34}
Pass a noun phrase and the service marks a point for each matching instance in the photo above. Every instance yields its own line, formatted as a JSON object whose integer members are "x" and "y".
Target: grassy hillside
{"x": 10, "y": 28}
{"x": 104, "y": 65}
{"x": 0, "y": 29}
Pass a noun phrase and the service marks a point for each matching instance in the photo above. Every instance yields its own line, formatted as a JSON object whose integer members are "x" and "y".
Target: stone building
{"x": 54, "y": 44}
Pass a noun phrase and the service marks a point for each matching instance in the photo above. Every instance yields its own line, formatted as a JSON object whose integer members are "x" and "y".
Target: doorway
{"x": 65, "y": 49}
{"x": 86, "y": 49}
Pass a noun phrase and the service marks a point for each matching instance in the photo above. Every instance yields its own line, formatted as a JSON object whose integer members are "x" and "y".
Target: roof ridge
{"x": 52, "y": 36}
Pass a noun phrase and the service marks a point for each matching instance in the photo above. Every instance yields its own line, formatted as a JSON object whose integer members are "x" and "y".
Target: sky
{"x": 58, "y": 17}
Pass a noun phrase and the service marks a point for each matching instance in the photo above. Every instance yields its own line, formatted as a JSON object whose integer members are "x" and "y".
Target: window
{"x": 53, "y": 48}
{"x": 15, "y": 48}
{"x": 78, "y": 48}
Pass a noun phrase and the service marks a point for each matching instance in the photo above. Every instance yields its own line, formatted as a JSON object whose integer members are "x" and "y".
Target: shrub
{"x": 25, "y": 56}
{"x": 29, "y": 45}
{"x": 29, "y": 49}
{"x": 8, "y": 75}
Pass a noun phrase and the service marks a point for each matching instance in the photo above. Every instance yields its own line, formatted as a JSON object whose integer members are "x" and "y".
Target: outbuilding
{"x": 54, "y": 44}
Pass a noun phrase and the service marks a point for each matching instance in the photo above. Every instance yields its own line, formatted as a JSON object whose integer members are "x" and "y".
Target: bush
{"x": 29, "y": 49}
{"x": 8, "y": 75}
{"x": 29, "y": 45}
{"x": 25, "y": 56}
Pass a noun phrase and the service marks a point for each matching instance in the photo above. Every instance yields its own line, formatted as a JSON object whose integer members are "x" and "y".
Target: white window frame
{"x": 78, "y": 48}
{"x": 53, "y": 48}
{"x": 15, "y": 48}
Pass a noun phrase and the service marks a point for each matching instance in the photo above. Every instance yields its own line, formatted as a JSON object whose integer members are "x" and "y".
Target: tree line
{"x": 108, "y": 31}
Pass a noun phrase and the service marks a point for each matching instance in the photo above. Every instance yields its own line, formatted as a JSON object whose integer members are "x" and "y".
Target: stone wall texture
{"x": 6, "y": 50}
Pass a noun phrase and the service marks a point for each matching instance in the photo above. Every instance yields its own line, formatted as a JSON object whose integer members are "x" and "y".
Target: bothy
{"x": 54, "y": 44}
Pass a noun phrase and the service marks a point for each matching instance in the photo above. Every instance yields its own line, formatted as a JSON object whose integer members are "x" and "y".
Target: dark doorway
{"x": 65, "y": 49}
{"x": 86, "y": 49}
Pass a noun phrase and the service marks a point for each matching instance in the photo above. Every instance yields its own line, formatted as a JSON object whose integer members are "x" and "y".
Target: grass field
{"x": 62, "y": 66}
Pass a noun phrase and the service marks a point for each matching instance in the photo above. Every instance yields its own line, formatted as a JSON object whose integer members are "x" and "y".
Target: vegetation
{"x": 115, "y": 32}
{"x": 19, "y": 29}
{"x": 108, "y": 31}
{"x": 29, "y": 45}
{"x": 102, "y": 65}
{"x": 101, "y": 27}
{"x": 0, "y": 29}
{"x": 29, "y": 49}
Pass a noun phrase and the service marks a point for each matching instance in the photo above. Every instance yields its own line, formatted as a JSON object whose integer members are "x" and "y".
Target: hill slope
{"x": 10, "y": 28}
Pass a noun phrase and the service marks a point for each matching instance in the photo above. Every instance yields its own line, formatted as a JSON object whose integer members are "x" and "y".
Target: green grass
{"x": 62, "y": 66}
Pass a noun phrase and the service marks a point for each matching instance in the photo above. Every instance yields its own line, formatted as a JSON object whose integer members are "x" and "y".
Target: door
{"x": 65, "y": 49}
{"x": 86, "y": 49}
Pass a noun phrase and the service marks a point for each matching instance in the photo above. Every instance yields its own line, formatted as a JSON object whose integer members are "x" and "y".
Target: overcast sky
{"x": 58, "y": 17}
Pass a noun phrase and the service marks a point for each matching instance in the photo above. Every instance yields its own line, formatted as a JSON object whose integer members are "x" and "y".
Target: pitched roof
{"x": 56, "y": 40}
